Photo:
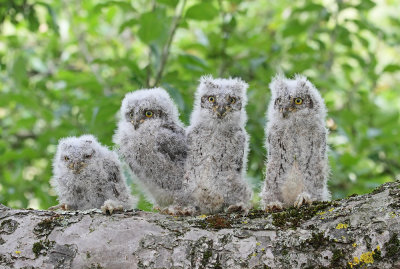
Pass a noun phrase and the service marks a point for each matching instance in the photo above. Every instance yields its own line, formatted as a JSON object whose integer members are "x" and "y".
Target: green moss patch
{"x": 337, "y": 258}
{"x": 392, "y": 247}
{"x": 8, "y": 226}
{"x": 294, "y": 217}
{"x": 45, "y": 227}
{"x": 41, "y": 247}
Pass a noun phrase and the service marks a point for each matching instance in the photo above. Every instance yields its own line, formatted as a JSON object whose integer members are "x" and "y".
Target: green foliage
{"x": 66, "y": 65}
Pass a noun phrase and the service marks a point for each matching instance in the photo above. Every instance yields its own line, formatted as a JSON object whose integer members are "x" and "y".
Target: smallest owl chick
{"x": 297, "y": 162}
{"x": 88, "y": 175}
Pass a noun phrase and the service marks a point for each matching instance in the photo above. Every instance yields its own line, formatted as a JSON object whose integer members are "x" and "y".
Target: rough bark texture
{"x": 358, "y": 232}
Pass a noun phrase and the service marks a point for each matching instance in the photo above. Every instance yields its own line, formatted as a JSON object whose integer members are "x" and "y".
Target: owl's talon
{"x": 273, "y": 207}
{"x": 303, "y": 198}
{"x": 64, "y": 207}
{"x": 110, "y": 206}
{"x": 240, "y": 208}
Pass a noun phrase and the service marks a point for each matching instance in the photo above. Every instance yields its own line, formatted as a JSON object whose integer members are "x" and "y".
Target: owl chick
{"x": 297, "y": 165}
{"x": 218, "y": 147}
{"x": 151, "y": 139}
{"x": 88, "y": 175}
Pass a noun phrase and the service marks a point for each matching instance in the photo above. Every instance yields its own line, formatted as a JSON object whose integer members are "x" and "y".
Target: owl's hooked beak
{"x": 136, "y": 124}
{"x": 222, "y": 111}
{"x": 286, "y": 110}
{"x": 76, "y": 167}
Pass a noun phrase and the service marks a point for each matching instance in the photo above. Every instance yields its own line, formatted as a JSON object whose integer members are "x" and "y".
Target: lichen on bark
{"x": 361, "y": 231}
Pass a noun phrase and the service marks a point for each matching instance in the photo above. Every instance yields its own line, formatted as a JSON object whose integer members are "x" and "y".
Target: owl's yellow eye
{"x": 149, "y": 114}
{"x": 232, "y": 100}
{"x": 211, "y": 99}
{"x": 298, "y": 101}
{"x": 131, "y": 114}
{"x": 66, "y": 158}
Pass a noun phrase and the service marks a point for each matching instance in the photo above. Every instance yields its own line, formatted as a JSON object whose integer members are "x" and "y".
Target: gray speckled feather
{"x": 297, "y": 163}
{"x": 88, "y": 175}
{"x": 218, "y": 146}
{"x": 152, "y": 141}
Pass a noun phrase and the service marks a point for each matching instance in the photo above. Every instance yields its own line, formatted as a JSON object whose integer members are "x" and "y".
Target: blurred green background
{"x": 66, "y": 65}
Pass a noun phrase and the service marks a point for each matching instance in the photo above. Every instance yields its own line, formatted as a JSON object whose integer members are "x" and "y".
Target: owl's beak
{"x": 76, "y": 167}
{"x": 135, "y": 124}
{"x": 286, "y": 110}
{"x": 222, "y": 111}
{"x": 285, "y": 113}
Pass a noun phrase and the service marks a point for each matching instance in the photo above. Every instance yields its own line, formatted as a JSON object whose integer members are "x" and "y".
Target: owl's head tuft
{"x": 295, "y": 97}
{"x": 76, "y": 153}
{"x": 148, "y": 105}
{"x": 221, "y": 100}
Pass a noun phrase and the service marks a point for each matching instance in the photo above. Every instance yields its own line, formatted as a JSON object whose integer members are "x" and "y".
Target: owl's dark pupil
{"x": 298, "y": 101}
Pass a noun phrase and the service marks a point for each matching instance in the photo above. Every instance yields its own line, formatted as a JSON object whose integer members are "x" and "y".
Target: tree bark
{"x": 358, "y": 232}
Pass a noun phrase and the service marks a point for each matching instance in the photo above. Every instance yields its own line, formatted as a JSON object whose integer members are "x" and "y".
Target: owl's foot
{"x": 274, "y": 206}
{"x": 64, "y": 207}
{"x": 179, "y": 211}
{"x": 110, "y": 206}
{"x": 157, "y": 208}
{"x": 239, "y": 208}
{"x": 302, "y": 199}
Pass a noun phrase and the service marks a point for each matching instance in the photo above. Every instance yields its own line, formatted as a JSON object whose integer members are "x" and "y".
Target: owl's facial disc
{"x": 75, "y": 165}
{"x": 141, "y": 115}
{"x": 78, "y": 157}
{"x": 221, "y": 105}
{"x": 221, "y": 110}
{"x": 286, "y": 107}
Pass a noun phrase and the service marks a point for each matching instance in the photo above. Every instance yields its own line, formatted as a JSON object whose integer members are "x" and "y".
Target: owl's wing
{"x": 241, "y": 142}
{"x": 171, "y": 142}
{"x": 113, "y": 177}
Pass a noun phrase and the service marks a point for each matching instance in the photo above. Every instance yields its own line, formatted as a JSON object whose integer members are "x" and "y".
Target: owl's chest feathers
{"x": 217, "y": 148}
{"x": 292, "y": 142}
{"x": 140, "y": 146}
{"x": 85, "y": 178}
{"x": 291, "y": 148}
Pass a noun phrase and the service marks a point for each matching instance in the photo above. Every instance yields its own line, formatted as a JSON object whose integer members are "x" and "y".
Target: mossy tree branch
{"x": 352, "y": 233}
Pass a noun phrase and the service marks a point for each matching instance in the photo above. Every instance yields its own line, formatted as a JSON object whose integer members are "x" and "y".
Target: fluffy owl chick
{"x": 88, "y": 175}
{"x": 297, "y": 163}
{"x": 218, "y": 146}
{"x": 151, "y": 139}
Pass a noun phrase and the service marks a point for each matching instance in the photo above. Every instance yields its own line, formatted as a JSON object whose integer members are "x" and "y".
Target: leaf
{"x": 343, "y": 36}
{"x": 152, "y": 26}
{"x": 53, "y": 16}
{"x": 19, "y": 72}
{"x": 124, "y": 5}
{"x": 295, "y": 27}
{"x": 193, "y": 62}
{"x": 391, "y": 68}
{"x": 127, "y": 24}
{"x": 30, "y": 14}
{"x": 366, "y": 4}
{"x": 309, "y": 7}
{"x": 202, "y": 12}
{"x": 171, "y": 3}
